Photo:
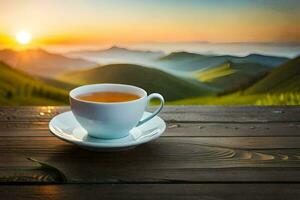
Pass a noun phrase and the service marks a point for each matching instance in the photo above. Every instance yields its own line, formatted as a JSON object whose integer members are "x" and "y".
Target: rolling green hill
{"x": 230, "y": 99}
{"x": 152, "y": 80}
{"x": 212, "y": 74}
{"x": 57, "y": 83}
{"x": 280, "y": 87}
{"x": 285, "y": 78}
{"x": 240, "y": 98}
{"x": 17, "y": 88}
{"x": 231, "y": 76}
{"x": 185, "y": 61}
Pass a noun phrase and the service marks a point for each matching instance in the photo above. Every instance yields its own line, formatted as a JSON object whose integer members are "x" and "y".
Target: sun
{"x": 23, "y": 37}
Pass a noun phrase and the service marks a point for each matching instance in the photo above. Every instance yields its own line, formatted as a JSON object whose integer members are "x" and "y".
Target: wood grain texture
{"x": 207, "y": 152}
{"x": 29, "y": 175}
{"x": 154, "y": 191}
{"x": 282, "y": 129}
{"x": 169, "y": 159}
{"x": 245, "y": 114}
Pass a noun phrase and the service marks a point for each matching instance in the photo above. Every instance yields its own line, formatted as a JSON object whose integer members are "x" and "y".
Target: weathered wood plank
{"x": 84, "y": 175}
{"x": 165, "y": 160}
{"x": 27, "y": 175}
{"x": 202, "y": 144}
{"x": 52, "y": 143}
{"x": 245, "y": 114}
{"x": 240, "y": 114}
{"x": 283, "y": 129}
{"x": 153, "y": 191}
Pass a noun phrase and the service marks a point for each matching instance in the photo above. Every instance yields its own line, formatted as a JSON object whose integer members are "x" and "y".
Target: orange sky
{"x": 54, "y": 22}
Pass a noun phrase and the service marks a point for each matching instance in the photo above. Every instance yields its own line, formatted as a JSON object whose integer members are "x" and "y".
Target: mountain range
{"x": 185, "y": 61}
{"x": 39, "y": 62}
{"x": 117, "y": 54}
{"x": 47, "y": 77}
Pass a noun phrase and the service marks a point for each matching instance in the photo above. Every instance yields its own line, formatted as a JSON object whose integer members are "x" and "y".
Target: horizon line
{"x": 130, "y": 49}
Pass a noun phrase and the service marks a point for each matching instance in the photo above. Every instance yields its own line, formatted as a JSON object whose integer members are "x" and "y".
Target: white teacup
{"x": 111, "y": 120}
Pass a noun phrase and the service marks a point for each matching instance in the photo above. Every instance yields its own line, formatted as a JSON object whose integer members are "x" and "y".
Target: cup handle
{"x": 162, "y": 101}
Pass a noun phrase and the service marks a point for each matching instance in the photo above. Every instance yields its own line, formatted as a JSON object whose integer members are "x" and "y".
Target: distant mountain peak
{"x": 114, "y": 47}
{"x": 180, "y": 55}
{"x": 41, "y": 62}
{"x": 123, "y": 49}
{"x": 256, "y": 55}
{"x": 116, "y": 54}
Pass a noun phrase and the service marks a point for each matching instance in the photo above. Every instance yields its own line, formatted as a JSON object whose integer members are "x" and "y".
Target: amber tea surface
{"x": 108, "y": 97}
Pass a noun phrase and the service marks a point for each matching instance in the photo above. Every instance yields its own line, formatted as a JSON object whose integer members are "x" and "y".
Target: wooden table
{"x": 206, "y": 153}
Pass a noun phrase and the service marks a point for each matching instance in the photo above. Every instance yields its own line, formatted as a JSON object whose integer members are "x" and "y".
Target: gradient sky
{"x": 77, "y": 22}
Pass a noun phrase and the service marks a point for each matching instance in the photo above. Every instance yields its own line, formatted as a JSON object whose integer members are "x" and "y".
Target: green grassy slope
{"x": 185, "y": 61}
{"x": 17, "y": 88}
{"x": 152, "y": 80}
{"x": 57, "y": 83}
{"x": 285, "y": 78}
{"x": 231, "y": 76}
{"x": 231, "y": 99}
{"x": 214, "y": 73}
{"x": 287, "y": 98}
{"x": 280, "y": 87}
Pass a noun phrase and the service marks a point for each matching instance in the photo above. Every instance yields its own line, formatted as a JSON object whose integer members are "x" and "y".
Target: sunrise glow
{"x": 23, "y": 37}
{"x": 92, "y": 22}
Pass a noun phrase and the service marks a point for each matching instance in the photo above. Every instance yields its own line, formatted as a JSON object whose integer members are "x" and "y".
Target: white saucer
{"x": 65, "y": 127}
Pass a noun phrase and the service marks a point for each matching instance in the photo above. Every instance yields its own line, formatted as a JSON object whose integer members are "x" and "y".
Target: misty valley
{"x": 38, "y": 77}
